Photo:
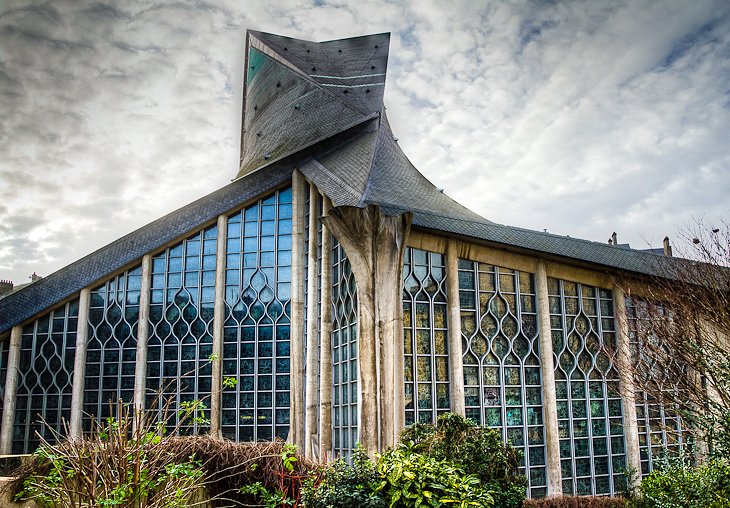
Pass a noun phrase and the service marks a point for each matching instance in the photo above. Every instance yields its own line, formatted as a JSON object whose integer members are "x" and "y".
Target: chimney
{"x": 35, "y": 277}
{"x": 613, "y": 237}
{"x": 667, "y": 247}
{"x": 6, "y": 287}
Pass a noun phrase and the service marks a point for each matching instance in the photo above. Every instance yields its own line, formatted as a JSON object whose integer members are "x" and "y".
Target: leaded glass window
{"x": 589, "y": 406}
{"x": 4, "y": 351}
{"x": 426, "y": 362}
{"x": 181, "y": 325}
{"x": 257, "y": 325}
{"x": 112, "y": 344}
{"x": 45, "y": 377}
{"x": 500, "y": 347}
{"x": 344, "y": 355}
{"x": 660, "y": 428}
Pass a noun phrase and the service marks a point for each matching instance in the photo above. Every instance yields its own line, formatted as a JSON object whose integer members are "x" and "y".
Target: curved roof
{"x": 318, "y": 107}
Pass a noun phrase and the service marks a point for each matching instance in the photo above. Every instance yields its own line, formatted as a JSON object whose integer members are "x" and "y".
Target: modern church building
{"x": 346, "y": 295}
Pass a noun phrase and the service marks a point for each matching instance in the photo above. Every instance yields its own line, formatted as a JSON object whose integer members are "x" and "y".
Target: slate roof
{"x": 296, "y": 115}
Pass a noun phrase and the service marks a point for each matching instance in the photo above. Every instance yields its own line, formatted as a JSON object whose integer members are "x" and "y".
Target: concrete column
{"x": 219, "y": 317}
{"x": 456, "y": 363}
{"x": 77, "y": 389}
{"x": 325, "y": 374}
{"x": 375, "y": 244}
{"x": 626, "y": 384}
{"x": 140, "y": 368}
{"x": 11, "y": 387}
{"x": 549, "y": 399}
{"x": 311, "y": 427}
{"x": 296, "y": 432}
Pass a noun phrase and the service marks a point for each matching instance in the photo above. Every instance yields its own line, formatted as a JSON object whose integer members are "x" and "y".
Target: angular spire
{"x": 298, "y": 93}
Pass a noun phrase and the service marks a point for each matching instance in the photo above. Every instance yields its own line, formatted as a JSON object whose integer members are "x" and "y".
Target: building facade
{"x": 347, "y": 297}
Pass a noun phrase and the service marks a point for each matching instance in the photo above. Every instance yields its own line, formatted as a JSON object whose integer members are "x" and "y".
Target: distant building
{"x": 346, "y": 294}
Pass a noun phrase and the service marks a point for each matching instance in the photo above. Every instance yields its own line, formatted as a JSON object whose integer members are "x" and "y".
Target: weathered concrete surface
{"x": 11, "y": 386}
{"x": 219, "y": 317}
{"x": 140, "y": 368}
{"x": 549, "y": 399}
{"x": 296, "y": 432}
{"x": 77, "y": 387}
{"x": 375, "y": 244}
{"x": 311, "y": 427}
{"x": 325, "y": 375}
{"x": 626, "y": 384}
{"x": 456, "y": 364}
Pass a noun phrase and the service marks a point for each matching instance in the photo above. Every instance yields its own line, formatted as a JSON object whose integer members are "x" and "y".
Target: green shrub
{"x": 477, "y": 450}
{"x": 679, "y": 483}
{"x": 413, "y": 479}
{"x": 345, "y": 486}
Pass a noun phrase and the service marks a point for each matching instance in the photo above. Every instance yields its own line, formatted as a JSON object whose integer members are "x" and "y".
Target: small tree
{"x": 681, "y": 331}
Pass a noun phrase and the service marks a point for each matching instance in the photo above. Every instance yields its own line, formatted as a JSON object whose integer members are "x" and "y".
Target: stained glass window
{"x": 112, "y": 344}
{"x": 661, "y": 431}
{"x": 4, "y": 351}
{"x": 426, "y": 361}
{"x": 502, "y": 376}
{"x": 589, "y": 406}
{"x": 257, "y": 325}
{"x": 344, "y": 355}
{"x": 45, "y": 377}
{"x": 181, "y": 325}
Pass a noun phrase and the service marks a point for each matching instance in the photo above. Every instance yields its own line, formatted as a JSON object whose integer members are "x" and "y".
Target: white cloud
{"x": 582, "y": 118}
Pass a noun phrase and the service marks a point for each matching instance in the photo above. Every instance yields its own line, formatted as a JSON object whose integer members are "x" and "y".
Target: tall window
{"x": 590, "y": 414}
{"x": 426, "y": 361}
{"x": 45, "y": 377}
{"x": 344, "y": 355}
{"x": 181, "y": 324}
{"x": 502, "y": 376}
{"x": 256, "y": 345}
{"x": 660, "y": 428}
{"x": 112, "y": 344}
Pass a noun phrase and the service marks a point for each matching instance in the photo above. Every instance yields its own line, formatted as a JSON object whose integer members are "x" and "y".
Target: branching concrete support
{"x": 219, "y": 318}
{"x": 311, "y": 427}
{"x": 140, "y": 368}
{"x": 549, "y": 398}
{"x": 296, "y": 432}
{"x": 11, "y": 387}
{"x": 77, "y": 387}
{"x": 325, "y": 374}
{"x": 375, "y": 244}
{"x": 456, "y": 364}
{"x": 626, "y": 384}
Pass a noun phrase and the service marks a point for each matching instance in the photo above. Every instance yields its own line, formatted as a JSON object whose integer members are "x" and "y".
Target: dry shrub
{"x": 142, "y": 465}
{"x": 576, "y": 502}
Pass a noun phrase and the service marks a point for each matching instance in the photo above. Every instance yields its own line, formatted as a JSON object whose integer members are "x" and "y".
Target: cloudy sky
{"x": 581, "y": 118}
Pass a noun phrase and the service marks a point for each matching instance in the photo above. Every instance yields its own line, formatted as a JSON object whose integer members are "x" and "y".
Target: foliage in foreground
{"x": 679, "y": 483}
{"x": 477, "y": 450}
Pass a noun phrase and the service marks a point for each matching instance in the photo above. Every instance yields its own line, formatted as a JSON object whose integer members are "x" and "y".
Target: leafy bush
{"x": 679, "y": 483}
{"x": 413, "y": 479}
{"x": 345, "y": 486}
{"x": 477, "y": 450}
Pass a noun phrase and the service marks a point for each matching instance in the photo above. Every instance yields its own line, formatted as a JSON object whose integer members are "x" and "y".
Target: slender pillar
{"x": 549, "y": 398}
{"x": 325, "y": 374}
{"x": 77, "y": 388}
{"x": 456, "y": 363}
{"x": 296, "y": 432}
{"x": 140, "y": 368}
{"x": 626, "y": 385}
{"x": 11, "y": 387}
{"x": 375, "y": 245}
{"x": 311, "y": 427}
{"x": 219, "y": 317}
